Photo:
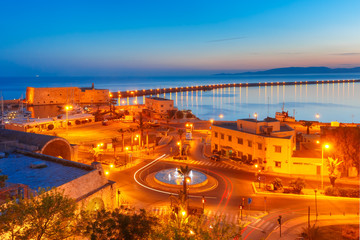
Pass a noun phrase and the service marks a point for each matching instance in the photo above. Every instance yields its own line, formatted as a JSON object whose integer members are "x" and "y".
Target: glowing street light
{"x": 67, "y": 109}
{"x": 212, "y": 121}
{"x": 317, "y": 116}
{"x": 221, "y": 116}
{"x": 326, "y": 146}
{"x": 255, "y": 116}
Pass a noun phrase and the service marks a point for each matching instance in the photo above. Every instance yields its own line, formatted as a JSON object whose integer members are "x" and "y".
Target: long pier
{"x": 142, "y": 92}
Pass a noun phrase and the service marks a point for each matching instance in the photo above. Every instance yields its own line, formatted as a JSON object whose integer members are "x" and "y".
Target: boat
{"x": 284, "y": 116}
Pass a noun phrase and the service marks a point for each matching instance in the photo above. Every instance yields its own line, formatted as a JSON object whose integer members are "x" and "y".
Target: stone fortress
{"x": 65, "y": 95}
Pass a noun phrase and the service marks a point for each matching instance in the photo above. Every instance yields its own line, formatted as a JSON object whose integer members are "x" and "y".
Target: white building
{"x": 269, "y": 144}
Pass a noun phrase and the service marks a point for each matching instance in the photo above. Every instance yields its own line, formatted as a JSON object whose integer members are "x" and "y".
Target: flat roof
{"x": 233, "y": 126}
{"x": 17, "y": 168}
{"x": 268, "y": 119}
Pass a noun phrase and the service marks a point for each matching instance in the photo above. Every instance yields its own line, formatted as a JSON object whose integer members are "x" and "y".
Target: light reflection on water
{"x": 332, "y": 101}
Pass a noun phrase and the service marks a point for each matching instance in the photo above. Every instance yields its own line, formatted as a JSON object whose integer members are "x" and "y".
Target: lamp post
{"x": 322, "y": 164}
{"x": 255, "y": 116}
{"x": 67, "y": 108}
{"x": 316, "y": 204}
{"x": 203, "y": 203}
{"x": 126, "y": 154}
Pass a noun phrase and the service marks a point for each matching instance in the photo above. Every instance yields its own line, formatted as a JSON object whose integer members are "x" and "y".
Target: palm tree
{"x": 114, "y": 142}
{"x": 141, "y": 126}
{"x": 132, "y": 130}
{"x": 333, "y": 168}
{"x": 180, "y": 132}
{"x": 122, "y": 131}
{"x": 308, "y": 125}
{"x": 184, "y": 172}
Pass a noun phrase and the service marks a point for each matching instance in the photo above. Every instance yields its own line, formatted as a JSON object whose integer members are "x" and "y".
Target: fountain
{"x": 171, "y": 176}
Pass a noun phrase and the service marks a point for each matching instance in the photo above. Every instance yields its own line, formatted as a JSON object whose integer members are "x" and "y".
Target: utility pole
{"x": 279, "y": 221}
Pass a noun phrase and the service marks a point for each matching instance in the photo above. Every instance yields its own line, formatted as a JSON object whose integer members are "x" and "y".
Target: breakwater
{"x": 142, "y": 92}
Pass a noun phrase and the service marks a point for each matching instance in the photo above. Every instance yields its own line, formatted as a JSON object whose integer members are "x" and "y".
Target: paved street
{"x": 234, "y": 188}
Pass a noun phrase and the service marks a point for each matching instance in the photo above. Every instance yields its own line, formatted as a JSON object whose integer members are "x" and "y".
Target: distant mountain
{"x": 299, "y": 70}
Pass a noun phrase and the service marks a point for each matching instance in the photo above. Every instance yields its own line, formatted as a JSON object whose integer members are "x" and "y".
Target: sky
{"x": 149, "y": 38}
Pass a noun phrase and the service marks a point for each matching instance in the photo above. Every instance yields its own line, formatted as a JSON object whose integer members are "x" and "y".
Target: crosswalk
{"x": 209, "y": 214}
{"x": 209, "y": 163}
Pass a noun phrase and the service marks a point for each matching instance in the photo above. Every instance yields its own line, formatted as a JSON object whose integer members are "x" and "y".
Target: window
{"x": 229, "y": 138}
{"x": 249, "y": 143}
{"x": 170, "y": 105}
{"x": 278, "y": 164}
{"x": 249, "y": 157}
{"x": 216, "y": 134}
{"x": 260, "y": 160}
{"x": 278, "y": 149}
{"x": 240, "y": 141}
{"x": 259, "y": 146}
{"x": 161, "y": 105}
{"x": 240, "y": 154}
{"x": 222, "y": 136}
{"x": 216, "y": 147}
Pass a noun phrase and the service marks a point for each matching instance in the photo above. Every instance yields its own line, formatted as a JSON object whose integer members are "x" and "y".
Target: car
{"x": 215, "y": 157}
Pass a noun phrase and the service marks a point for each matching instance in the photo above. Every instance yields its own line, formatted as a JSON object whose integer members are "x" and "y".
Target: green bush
{"x": 342, "y": 192}
{"x": 297, "y": 185}
{"x": 277, "y": 184}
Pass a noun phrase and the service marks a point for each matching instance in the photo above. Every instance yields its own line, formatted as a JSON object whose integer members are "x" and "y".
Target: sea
{"x": 330, "y": 101}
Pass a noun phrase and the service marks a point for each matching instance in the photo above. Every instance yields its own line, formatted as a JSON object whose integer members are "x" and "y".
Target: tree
{"x": 184, "y": 172}
{"x": 122, "y": 131}
{"x": 50, "y": 215}
{"x": 180, "y": 133}
{"x": 179, "y": 115}
{"x": 114, "y": 142}
{"x": 116, "y": 224}
{"x": 345, "y": 142}
{"x": 132, "y": 130}
{"x": 308, "y": 125}
{"x": 333, "y": 168}
{"x": 3, "y": 178}
{"x": 297, "y": 185}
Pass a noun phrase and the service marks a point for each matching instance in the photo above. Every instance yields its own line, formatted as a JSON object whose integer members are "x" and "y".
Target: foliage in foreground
{"x": 51, "y": 215}
{"x": 311, "y": 233}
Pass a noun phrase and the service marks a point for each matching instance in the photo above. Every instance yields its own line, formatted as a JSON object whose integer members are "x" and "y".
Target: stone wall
{"x": 65, "y": 95}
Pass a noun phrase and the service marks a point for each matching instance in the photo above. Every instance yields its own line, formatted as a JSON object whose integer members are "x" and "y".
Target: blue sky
{"x": 122, "y": 38}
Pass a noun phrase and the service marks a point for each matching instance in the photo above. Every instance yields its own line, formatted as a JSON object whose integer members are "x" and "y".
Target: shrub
{"x": 189, "y": 115}
{"x": 51, "y": 126}
{"x": 179, "y": 115}
{"x": 342, "y": 192}
{"x": 277, "y": 184}
{"x": 331, "y": 191}
{"x": 297, "y": 185}
{"x": 77, "y": 122}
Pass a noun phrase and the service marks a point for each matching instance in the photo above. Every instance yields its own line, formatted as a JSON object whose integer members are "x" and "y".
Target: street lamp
{"x": 67, "y": 109}
{"x": 326, "y": 146}
{"x": 316, "y": 204}
{"x": 221, "y": 116}
{"x": 211, "y": 121}
{"x": 317, "y": 116}
{"x": 255, "y": 116}
{"x": 179, "y": 144}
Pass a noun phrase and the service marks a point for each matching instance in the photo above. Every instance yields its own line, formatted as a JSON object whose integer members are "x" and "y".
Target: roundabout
{"x": 169, "y": 181}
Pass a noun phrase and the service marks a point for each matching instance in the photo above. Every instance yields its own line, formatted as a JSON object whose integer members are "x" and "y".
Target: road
{"x": 234, "y": 188}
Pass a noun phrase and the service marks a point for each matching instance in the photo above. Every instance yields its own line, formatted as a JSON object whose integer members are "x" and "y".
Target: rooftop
{"x": 17, "y": 168}
{"x": 268, "y": 119}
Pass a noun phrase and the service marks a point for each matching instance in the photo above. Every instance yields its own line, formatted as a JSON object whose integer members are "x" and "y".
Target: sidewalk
{"x": 292, "y": 228}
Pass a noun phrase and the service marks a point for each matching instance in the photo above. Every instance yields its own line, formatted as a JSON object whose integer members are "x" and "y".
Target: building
{"x": 159, "y": 105}
{"x": 37, "y": 125}
{"x": 86, "y": 184}
{"x": 268, "y": 144}
{"x": 66, "y": 95}
{"x": 11, "y": 140}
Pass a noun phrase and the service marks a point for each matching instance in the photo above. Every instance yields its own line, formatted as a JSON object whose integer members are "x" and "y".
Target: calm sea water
{"x": 333, "y": 102}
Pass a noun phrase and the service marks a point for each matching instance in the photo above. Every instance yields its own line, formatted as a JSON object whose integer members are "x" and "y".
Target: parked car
{"x": 215, "y": 157}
